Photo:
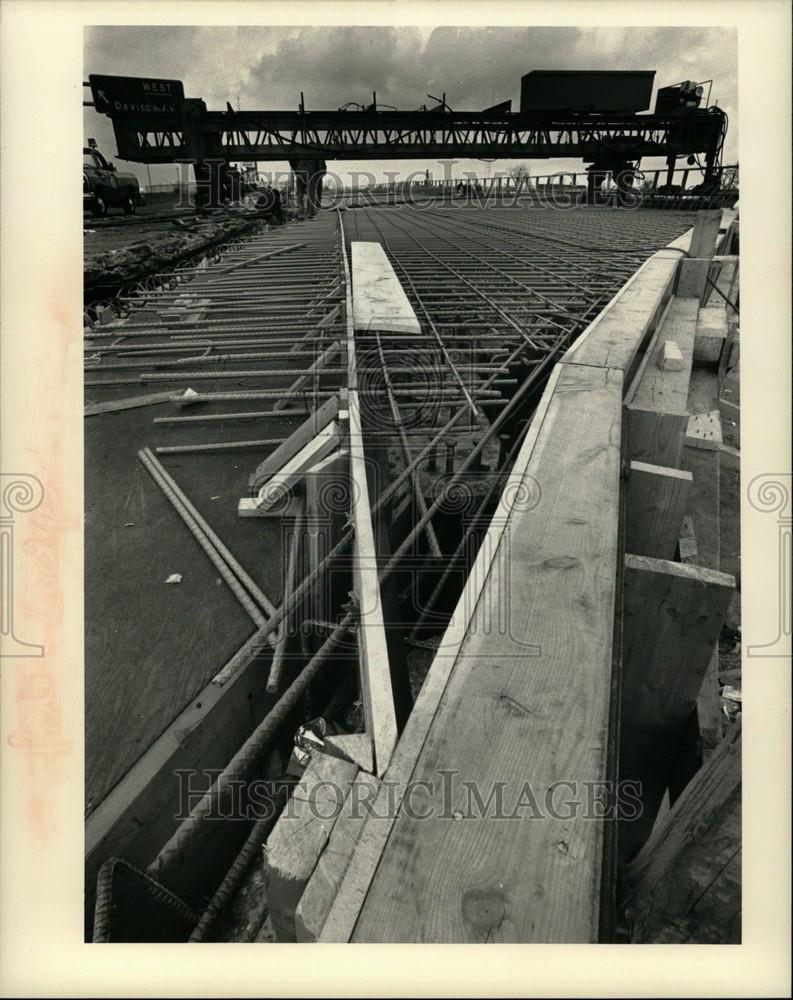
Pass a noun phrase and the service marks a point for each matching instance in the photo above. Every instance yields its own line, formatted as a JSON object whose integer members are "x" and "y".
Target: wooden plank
{"x": 378, "y": 300}
{"x": 347, "y": 904}
{"x": 704, "y": 431}
{"x": 664, "y": 389}
{"x": 376, "y": 689}
{"x": 531, "y": 682}
{"x": 692, "y": 278}
{"x": 296, "y": 441}
{"x": 703, "y": 502}
{"x": 655, "y": 437}
{"x": 672, "y": 616}
{"x": 656, "y": 503}
{"x": 711, "y": 334}
{"x": 706, "y": 233}
{"x": 328, "y": 505}
{"x": 687, "y": 540}
{"x": 273, "y": 492}
{"x": 616, "y": 337}
{"x": 317, "y": 899}
{"x": 356, "y": 747}
{"x": 709, "y": 715}
{"x": 684, "y": 886}
{"x": 300, "y": 835}
{"x": 116, "y": 405}
{"x": 656, "y": 406}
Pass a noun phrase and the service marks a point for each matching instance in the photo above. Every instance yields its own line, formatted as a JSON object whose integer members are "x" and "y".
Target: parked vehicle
{"x": 104, "y": 186}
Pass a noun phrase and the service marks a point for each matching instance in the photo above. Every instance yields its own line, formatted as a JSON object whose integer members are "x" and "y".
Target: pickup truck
{"x": 104, "y": 186}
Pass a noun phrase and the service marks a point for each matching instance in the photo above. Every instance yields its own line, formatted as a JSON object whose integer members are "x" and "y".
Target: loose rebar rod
{"x": 245, "y": 590}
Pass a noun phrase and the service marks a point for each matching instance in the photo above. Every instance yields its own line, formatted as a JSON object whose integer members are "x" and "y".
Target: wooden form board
{"x": 327, "y": 508}
{"x": 706, "y": 232}
{"x": 297, "y": 440}
{"x": 532, "y": 699}
{"x": 317, "y": 899}
{"x": 375, "y": 301}
{"x": 655, "y": 506}
{"x": 273, "y": 492}
{"x": 711, "y": 335}
{"x": 656, "y": 405}
{"x": 615, "y": 338}
{"x": 672, "y": 616}
{"x": 692, "y": 279}
{"x": 302, "y": 380}
{"x": 347, "y": 904}
{"x": 378, "y": 300}
{"x": 383, "y": 869}
{"x": 378, "y": 699}
{"x": 300, "y": 835}
{"x": 131, "y": 403}
{"x": 685, "y": 885}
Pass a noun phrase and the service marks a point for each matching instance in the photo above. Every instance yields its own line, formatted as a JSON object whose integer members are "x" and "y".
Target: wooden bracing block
{"x": 672, "y": 617}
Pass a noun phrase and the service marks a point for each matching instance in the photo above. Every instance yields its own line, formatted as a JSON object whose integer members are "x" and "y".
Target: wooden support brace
{"x": 297, "y": 440}
{"x": 685, "y": 884}
{"x": 692, "y": 278}
{"x": 656, "y": 503}
{"x": 706, "y": 233}
{"x": 711, "y": 334}
{"x": 328, "y": 491}
{"x": 656, "y": 405}
{"x": 373, "y": 658}
{"x": 274, "y": 491}
{"x": 672, "y": 617}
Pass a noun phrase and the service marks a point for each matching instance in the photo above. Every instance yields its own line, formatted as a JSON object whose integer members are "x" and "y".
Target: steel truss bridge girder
{"x": 344, "y": 135}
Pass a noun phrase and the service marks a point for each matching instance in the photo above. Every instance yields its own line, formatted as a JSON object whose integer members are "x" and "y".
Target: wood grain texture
{"x": 667, "y": 389}
{"x": 672, "y": 617}
{"x": 347, "y": 904}
{"x": 656, "y": 405}
{"x": 131, "y": 403}
{"x": 673, "y": 614}
{"x": 654, "y": 436}
{"x": 616, "y": 337}
{"x": 692, "y": 279}
{"x": 274, "y": 491}
{"x": 378, "y": 300}
{"x": 684, "y": 886}
{"x": 655, "y": 505}
{"x": 296, "y": 441}
{"x": 375, "y": 669}
{"x": 300, "y": 835}
{"x": 539, "y": 718}
{"x": 316, "y": 901}
{"x": 706, "y": 232}
{"x": 328, "y": 492}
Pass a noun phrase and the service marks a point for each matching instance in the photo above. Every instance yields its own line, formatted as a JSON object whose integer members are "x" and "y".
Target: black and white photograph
{"x": 411, "y": 499}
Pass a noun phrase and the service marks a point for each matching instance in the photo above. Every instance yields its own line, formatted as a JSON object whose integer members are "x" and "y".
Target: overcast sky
{"x": 476, "y": 67}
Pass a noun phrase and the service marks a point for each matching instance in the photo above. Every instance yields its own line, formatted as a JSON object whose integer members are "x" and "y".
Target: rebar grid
{"x": 502, "y": 285}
